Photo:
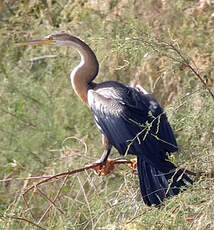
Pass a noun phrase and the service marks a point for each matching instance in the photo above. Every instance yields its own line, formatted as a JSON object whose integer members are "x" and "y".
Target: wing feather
{"x": 135, "y": 124}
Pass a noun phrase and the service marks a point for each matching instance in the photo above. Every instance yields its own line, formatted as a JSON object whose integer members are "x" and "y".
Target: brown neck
{"x": 86, "y": 71}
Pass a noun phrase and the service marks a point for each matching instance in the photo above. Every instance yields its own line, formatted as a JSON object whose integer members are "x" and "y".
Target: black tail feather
{"x": 156, "y": 186}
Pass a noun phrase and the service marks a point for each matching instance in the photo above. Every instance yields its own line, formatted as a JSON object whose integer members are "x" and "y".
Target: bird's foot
{"x": 104, "y": 167}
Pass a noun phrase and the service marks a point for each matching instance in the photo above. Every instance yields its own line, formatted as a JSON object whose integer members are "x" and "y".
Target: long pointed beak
{"x": 36, "y": 42}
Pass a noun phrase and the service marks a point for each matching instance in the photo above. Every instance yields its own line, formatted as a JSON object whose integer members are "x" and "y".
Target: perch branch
{"x": 91, "y": 166}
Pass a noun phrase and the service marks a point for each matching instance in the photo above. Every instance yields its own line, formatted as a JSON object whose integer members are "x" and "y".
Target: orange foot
{"x": 105, "y": 169}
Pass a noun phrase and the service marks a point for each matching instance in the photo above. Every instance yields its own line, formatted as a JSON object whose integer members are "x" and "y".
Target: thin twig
{"x": 50, "y": 206}
{"x": 42, "y": 57}
{"x": 52, "y": 202}
{"x": 26, "y": 220}
{"x": 22, "y": 178}
{"x": 86, "y": 200}
{"x": 28, "y": 206}
{"x": 135, "y": 217}
{"x": 186, "y": 63}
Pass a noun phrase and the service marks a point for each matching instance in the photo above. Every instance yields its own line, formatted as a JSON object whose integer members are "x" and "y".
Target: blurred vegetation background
{"x": 45, "y": 129}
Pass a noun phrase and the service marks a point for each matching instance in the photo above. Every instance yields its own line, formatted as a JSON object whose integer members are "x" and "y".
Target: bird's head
{"x": 60, "y": 39}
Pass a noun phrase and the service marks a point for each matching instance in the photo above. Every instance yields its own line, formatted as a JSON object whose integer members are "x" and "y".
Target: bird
{"x": 130, "y": 119}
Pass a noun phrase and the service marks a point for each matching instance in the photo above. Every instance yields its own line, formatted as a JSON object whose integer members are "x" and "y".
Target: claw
{"x": 133, "y": 165}
{"x": 105, "y": 168}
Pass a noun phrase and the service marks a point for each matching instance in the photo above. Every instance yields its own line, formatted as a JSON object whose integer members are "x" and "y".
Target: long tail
{"x": 156, "y": 186}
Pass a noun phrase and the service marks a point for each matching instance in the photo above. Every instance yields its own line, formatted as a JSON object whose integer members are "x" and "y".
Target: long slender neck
{"x": 86, "y": 71}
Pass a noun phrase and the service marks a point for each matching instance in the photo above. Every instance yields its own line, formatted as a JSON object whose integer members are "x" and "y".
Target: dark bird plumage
{"x": 135, "y": 123}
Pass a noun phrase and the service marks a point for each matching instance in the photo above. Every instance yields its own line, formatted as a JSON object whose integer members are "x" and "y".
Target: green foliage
{"x": 45, "y": 129}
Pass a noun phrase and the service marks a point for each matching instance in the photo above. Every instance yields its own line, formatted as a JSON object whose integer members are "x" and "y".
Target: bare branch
{"x": 156, "y": 45}
{"x": 52, "y": 202}
{"x": 26, "y": 220}
{"x": 57, "y": 195}
{"x": 196, "y": 72}
{"x": 91, "y": 166}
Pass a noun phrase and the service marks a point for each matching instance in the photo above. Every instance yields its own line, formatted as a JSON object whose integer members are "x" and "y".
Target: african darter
{"x": 130, "y": 119}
